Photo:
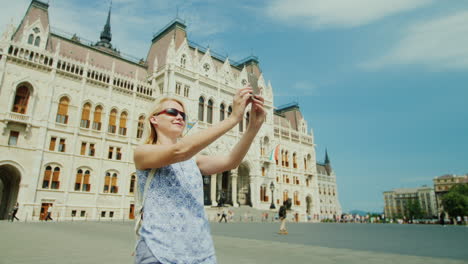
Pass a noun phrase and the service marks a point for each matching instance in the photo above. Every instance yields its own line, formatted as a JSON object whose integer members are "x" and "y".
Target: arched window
{"x": 62, "y": 112}
{"x": 282, "y": 158}
{"x": 263, "y": 193}
{"x": 296, "y": 198}
{"x": 264, "y": 144}
{"x": 295, "y": 160}
{"x": 123, "y": 124}
{"x": 56, "y": 179}
{"x": 107, "y": 181}
{"x": 51, "y": 178}
{"x": 285, "y": 196}
{"x": 37, "y": 42}
{"x": 97, "y": 118}
{"x": 85, "y": 122}
{"x": 82, "y": 181}
{"x": 114, "y": 187}
{"x": 221, "y": 112}
{"x": 201, "y": 108}
{"x": 209, "y": 117}
{"x": 78, "y": 180}
{"x": 140, "y": 127}
{"x": 183, "y": 60}
{"x": 229, "y": 111}
{"x": 286, "y": 154}
{"x": 30, "y": 39}
{"x": 47, "y": 176}
{"x": 20, "y": 104}
{"x": 132, "y": 184}
{"x": 112, "y": 122}
{"x": 86, "y": 182}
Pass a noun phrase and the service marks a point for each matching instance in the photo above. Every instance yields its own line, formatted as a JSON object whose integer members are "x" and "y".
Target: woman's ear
{"x": 153, "y": 120}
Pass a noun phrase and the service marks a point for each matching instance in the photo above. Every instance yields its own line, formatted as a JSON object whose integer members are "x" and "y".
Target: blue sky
{"x": 384, "y": 84}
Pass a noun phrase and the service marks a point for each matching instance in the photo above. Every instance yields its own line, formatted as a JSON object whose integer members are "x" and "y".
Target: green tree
{"x": 413, "y": 209}
{"x": 455, "y": 202}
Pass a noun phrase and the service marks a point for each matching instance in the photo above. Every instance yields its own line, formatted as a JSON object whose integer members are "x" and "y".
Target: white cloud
{"x": 440, "y": 43}
{"x": 300, "y": 88}
{"x": 338, "y": 13}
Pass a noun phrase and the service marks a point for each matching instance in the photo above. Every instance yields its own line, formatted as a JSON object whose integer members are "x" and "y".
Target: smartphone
{"x": 253, "y": 80}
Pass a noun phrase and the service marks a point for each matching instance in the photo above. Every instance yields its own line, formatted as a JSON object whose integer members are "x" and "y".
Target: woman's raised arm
{"x": 160, "y": 155}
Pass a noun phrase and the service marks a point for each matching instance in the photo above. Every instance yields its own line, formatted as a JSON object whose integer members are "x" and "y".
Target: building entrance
{"x": 10, "y": 178}
{"x": 243, "y": 187}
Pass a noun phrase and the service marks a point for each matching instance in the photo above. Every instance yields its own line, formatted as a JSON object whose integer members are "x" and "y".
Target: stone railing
{"x": 17, "y": 117}
{"x": 42, "y": 58}
{"x": 69, "y": 66}
{"x": 78, "y": 69}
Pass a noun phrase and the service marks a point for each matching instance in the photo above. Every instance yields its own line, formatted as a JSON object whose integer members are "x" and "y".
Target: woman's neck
{"x": 165, "y": 140}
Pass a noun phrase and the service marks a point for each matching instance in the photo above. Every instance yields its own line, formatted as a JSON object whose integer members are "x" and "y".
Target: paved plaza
{"x": 106, "y": 242}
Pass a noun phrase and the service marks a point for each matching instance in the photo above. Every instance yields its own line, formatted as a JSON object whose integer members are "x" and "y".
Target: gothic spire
{"x": 327, "y": 160}
{"x": 106, "y": 35}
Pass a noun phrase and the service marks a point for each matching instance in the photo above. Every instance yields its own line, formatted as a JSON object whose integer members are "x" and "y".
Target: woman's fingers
{"x": 245, "y": 91}
{"x": 259, "y": 98}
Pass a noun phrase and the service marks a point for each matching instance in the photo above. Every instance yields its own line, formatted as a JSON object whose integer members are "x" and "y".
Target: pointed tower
{"x": 106, "y": 35}
{"x": 327, "y": 163}
{"x": 327, "y": 160}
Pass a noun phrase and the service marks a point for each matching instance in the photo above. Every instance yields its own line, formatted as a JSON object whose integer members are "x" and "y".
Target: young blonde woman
{"x": 175, "y": 228}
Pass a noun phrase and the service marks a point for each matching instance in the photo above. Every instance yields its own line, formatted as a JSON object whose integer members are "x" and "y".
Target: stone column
{"x": 213, "y": 190}
{"x": 234, "y": 187}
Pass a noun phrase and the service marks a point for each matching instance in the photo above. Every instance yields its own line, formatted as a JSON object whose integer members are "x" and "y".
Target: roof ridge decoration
{"x": 243, "y": 76}
{"x": 184, "y": 49}
{"x": 207, "y": 67}
{"x": 227, "y": 73}
{"x": 171, "y": 51}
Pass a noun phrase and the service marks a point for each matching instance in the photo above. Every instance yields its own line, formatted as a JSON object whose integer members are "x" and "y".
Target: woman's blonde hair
{"x": 150, "y": 133}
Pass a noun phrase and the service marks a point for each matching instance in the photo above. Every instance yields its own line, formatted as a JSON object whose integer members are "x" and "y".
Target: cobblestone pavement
{"x": 105, "y": 242}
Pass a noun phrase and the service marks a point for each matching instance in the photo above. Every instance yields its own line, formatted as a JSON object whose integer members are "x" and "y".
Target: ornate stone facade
{"x": 72, "y": 112}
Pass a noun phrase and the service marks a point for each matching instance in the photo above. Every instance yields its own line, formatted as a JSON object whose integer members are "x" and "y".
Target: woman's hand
{"x": 240, "y": 102}
{"x": 257, "y": 112}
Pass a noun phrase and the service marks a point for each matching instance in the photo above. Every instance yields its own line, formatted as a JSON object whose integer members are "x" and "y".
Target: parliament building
{"x": 72, "y": 111}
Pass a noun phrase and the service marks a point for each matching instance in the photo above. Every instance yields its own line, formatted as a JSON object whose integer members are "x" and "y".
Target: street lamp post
{"x": 272, "y": 188}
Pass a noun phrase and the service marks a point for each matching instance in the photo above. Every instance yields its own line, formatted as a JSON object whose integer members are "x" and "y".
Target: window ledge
{"x": 111, "y": 194}
{"x": 51, "y": 190}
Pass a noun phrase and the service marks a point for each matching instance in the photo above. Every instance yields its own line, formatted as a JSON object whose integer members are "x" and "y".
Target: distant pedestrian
{"x": 459, "y": 220}
{"x": 50, "y": 210}
{"x": 14, "y": 212}
{"x": 282, "y": 216}
{"x": 223, "y": 216}
{"x": 442, "y": 219}
{"x": 230, "y": 215}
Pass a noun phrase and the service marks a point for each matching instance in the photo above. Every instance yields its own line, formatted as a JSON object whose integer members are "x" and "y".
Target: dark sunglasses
{"x": 172, "y": 112}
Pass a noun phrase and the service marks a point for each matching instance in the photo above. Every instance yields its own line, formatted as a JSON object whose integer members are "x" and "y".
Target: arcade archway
{"x": 243, "y": 186}
{"x": 10, "y": 178}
